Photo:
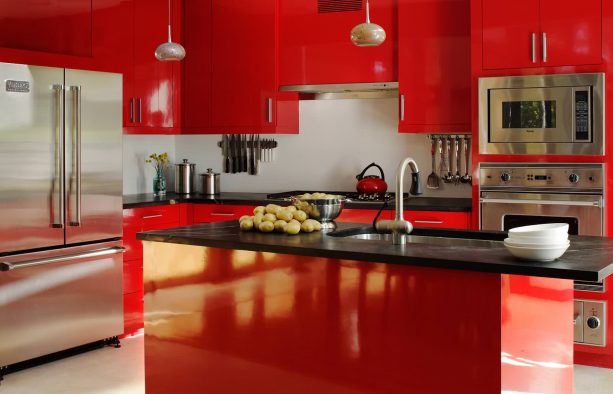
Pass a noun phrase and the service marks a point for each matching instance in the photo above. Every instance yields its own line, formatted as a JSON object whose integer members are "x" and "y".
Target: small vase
{"x": 159, "y": 184}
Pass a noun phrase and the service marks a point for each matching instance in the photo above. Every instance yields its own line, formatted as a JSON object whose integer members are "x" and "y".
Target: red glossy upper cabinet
{"x": 315, "y": 47}
{"x": 245, "y": 79}
{"x": 152, "y": 87}
{"x": 572, "y": 31}
{"x": 536, "y": 33}
{"x": 197, "y": 29}
{"x": 510, "y": 34}
{"x": 434, "y": 65}
{"x": 53, "y": 26}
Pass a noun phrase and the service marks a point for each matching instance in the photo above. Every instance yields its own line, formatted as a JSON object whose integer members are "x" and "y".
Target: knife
{"x": 233, "y": 150}
{"x": 224, "y": 149}
{"x": 244, "y": 146}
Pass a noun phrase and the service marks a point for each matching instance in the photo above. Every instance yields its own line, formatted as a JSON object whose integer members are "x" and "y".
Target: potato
{"x": 245, "y": 217}
{"x": 257, "y": 219}
{"x": 285, "y": 214}
{"x": 319, "y": 195}
{"x": 246, "y": 225}
{"x": 293, "y": 227}
{"x": 307, "y": 227}
{"x": 269, "y": 217}
{"x": 300, "y": 216}
{"x": 259, "y": 209}
{"x": 280, "y": 226}
{"x": 315, "y": 223}
{"x": 272, "y": 208}
{"x": 266, "y": 227}
{"x": 291, "y": 208}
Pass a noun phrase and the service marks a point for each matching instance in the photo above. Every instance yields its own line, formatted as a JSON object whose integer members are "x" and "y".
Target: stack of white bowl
{"x": 540, "y": 242}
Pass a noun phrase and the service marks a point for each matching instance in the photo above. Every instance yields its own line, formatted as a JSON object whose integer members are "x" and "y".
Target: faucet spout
{"x": 400, "y": 228}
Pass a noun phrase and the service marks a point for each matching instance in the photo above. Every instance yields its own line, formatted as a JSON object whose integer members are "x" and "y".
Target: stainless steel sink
{"x": 430, "y": 240}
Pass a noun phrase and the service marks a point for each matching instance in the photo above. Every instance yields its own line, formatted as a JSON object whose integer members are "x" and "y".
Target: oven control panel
{"x": 590, "y": 322}
{"x": 538, "y": 177}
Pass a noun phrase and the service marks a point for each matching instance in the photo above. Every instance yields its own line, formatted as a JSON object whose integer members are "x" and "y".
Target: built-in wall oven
{"x": 542, "y": 114}
{"x": 513, "y": 195}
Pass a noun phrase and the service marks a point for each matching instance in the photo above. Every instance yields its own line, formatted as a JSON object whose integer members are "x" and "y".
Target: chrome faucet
{"x": 400, "y": 228}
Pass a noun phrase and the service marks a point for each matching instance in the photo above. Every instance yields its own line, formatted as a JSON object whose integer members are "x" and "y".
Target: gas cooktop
{"x": 355, "y": 196}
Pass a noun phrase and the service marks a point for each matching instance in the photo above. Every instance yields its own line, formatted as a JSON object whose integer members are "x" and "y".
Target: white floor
{"x": 121, "y": 371}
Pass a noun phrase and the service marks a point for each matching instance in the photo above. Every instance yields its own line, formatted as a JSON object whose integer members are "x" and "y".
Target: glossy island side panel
{"x": 221, "y": 320}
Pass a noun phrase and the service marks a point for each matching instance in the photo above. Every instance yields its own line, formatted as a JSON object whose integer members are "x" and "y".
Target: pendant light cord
{"x": 367, "y": 12}
{"x": 169, "y": 21}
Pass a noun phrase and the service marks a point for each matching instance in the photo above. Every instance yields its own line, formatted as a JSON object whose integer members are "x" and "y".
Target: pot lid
{"x": 209, "y": 172}
{"x": 185, "y": 163}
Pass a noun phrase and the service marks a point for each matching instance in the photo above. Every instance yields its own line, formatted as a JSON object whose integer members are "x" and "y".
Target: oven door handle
{"x": 597, "y": 203}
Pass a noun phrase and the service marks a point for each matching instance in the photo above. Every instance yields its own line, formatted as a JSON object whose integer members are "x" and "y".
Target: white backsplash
{"x": 338, "y": 138}
{"x": 138, "y": 175}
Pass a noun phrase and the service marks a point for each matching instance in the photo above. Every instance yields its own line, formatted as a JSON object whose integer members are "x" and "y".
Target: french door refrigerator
{"x": 60, "y": 209}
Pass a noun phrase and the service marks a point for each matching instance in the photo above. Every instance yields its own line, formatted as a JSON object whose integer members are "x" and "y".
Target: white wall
{"x": 337, "y": 139}
{"x": 138, "y": 175}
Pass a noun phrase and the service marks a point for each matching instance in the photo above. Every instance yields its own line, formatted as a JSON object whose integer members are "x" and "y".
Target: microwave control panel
{"x": 582, "y": 115}
{"x": 590, "y": 322}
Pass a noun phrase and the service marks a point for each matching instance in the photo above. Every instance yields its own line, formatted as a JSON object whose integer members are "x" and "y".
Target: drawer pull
{"x": 429, "y": 221}
{"x": 152, "y": 216}
{"x": 222, "y": 214}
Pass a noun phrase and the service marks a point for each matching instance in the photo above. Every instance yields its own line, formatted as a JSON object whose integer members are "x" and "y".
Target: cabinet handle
{"x": 132, "y": 110}
{"x": 269, "y": 104}
{"x": 5, "y": 266}
{"x": 544, "y": 47}
{"x": 402, "y": 107}
{"x": 222, "y": 214}
{"x": 140, "y": 110}
{"x": 152, "y": 216}
{"x": 533, "y": 47}
{"x": 429, "y": 221}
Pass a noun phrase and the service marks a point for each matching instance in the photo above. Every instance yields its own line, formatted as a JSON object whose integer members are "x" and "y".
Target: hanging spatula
{"x": 433, "y": 179}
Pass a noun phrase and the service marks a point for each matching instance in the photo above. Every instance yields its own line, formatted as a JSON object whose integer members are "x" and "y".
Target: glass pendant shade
{"x": 368, "y": 34}
{"x": 170, "y": 51}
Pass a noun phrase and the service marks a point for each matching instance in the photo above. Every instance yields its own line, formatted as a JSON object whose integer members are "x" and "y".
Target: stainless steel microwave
{"x": 542, "y": 114}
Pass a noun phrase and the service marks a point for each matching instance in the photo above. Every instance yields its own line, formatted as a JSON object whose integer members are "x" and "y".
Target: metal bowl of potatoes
{"x": 321, "y": 207}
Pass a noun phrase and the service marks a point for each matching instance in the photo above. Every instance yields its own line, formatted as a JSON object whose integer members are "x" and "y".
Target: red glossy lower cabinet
{"x": 439, "y": 219}
{"x": 362, "y": 215}
{"x": 136, "y": 220}
{"x": 209, "y": 213}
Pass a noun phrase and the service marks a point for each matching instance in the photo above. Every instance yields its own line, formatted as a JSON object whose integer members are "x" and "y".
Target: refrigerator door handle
{"x": 58, "y": 186}
{"x": 6, "y": 266}
{"x": 75, "y": 218}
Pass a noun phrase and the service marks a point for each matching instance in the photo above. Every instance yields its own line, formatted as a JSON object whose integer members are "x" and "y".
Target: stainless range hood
{"x": 344, "y": 90}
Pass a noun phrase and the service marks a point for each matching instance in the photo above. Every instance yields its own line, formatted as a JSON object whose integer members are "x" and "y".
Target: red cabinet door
{"x": 209, "y": 213}
{"x": 573, "y": 32}
{"x": 152, "y": 88}
{"x": 434, "y": 65}
{"x": 511, "y": 34}
{"x": 439, "y": 219}
{"x": 54, "y": 26}
{"x": 244, "y": 69}
{"x": 315, "y": 47}
{"x": 365, "y": 216}
{"x": 245, "y": 84}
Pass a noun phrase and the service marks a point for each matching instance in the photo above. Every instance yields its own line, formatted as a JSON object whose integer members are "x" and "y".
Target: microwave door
{"x": 536, "y": 115}
{"x": 31, "y": 157}
{"x": 93, "y": 156}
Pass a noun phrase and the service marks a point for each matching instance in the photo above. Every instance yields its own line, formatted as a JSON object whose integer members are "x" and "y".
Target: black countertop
{"x": 411, "y": 204}
{"x": 588, "y": 258}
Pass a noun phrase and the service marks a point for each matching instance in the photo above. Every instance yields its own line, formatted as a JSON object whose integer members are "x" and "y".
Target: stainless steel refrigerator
{"x": 60, "y": 209}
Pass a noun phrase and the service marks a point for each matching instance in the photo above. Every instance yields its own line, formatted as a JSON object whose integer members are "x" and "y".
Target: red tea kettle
{"x": 371, "y": 184}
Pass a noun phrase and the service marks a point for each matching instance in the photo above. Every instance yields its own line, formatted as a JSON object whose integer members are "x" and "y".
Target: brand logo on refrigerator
{"x": 18, "y": 86}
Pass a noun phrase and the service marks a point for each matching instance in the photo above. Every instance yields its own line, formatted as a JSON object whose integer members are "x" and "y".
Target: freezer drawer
{"x": 55, "y": 300}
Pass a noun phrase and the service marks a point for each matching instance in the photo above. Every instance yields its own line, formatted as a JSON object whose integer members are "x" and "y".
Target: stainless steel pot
{"x": 210, "y": 182}
{"x": 185, "y": 177}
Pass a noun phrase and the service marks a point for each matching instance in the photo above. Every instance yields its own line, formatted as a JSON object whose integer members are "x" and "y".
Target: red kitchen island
{"x": 231, "y": 312}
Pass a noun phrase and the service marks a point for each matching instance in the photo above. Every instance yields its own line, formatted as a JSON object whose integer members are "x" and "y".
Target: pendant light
{"x": 368, "y": 34}
{"x": 170, "y": 51}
